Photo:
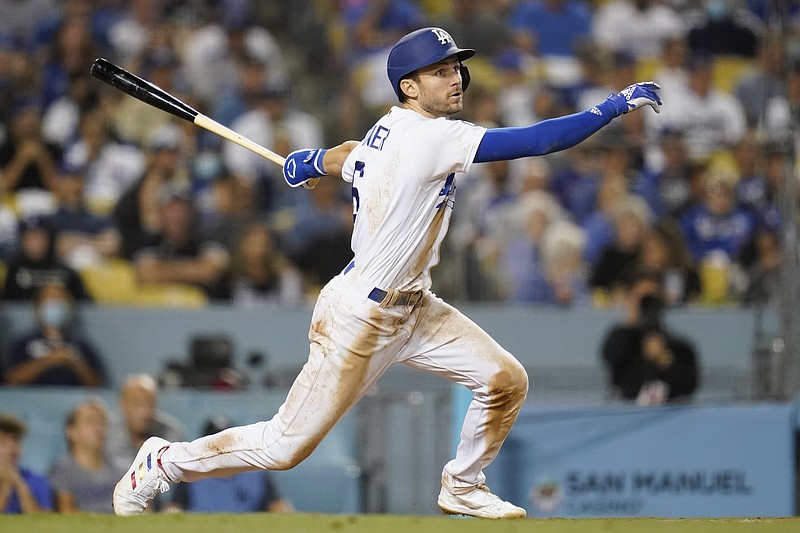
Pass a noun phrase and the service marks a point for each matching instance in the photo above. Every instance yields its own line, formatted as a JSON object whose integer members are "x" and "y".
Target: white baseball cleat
{"x": 479, "y": 502}
{"x": 143, "y": 481}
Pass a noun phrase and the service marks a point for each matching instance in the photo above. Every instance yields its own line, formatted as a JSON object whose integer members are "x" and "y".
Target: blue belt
{"x": 404, "y": 298}
{"x": 379, "y": 295}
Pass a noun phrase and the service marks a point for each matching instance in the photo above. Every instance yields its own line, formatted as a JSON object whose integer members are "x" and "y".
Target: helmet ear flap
{"x": 465, "y": 77}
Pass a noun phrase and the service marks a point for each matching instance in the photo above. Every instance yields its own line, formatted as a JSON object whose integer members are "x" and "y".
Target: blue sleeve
{"x": 545, "y": 137}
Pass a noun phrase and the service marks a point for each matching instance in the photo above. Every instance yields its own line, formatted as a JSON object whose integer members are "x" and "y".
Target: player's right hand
{"x": 304, "y": 167}
{"x": 637, "y": 95}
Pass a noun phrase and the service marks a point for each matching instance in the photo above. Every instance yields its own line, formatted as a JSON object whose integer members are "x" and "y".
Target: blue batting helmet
{"x": 421, "y": 48}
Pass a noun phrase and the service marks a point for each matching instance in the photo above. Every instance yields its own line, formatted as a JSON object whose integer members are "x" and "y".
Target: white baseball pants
{"x": 353, "y": 341}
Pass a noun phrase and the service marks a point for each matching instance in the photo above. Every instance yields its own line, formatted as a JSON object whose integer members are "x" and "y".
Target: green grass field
{"x": 316, "y": 523}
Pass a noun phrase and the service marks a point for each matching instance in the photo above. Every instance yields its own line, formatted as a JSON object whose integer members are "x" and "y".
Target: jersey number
{"x": 359, "y": 172}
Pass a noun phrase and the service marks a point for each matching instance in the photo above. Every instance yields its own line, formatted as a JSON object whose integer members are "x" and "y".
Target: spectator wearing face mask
{"x": 53, "y": 353}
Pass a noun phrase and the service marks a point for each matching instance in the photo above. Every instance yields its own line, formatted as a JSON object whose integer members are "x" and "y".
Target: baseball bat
{"x": 151, "y": 94}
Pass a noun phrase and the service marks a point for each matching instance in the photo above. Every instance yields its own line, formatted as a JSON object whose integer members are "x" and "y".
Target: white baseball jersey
{"x": 403, "y": 176}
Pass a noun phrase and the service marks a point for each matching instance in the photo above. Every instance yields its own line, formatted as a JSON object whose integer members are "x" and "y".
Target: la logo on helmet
{"x": 442, "y": 35}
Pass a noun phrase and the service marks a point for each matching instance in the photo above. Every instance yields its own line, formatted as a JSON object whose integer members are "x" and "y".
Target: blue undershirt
{"x": 544, "y": 137}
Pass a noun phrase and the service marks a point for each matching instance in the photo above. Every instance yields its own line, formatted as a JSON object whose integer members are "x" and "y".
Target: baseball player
{"x": 380, "y": 310}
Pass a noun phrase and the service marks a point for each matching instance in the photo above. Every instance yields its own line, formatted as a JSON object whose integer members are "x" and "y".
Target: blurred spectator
{"x": 62, "y": 117}
{"x": 622, "y": 158}
{"x": 316, "y": 237}
{"x": 575, "y": 185}
{"x": 719, "y": 126}
{"x": 671, "y": 71}
{"x": 668, "y": 189}
{"x": 761, "y": 260}
{"x": 549, "y": 102}
{"x": 482, "y": 228}
{"x": 26, "y": 160}
{"x": 82, "y": 239}
{"x": 84, "y": 478}
{"x": 111, "y": 167}
{"x": 764, "y": 9}
{"x": 718, "y": 223}
{"x": 229, "y": 204}
{"x": 636, "y": 26}
{"x": 259, "y": 273}
{"x": 482, "y": 24}
{"x": 533, "y": 174}
{"x": 597, "y": 67}
{"x": 521, "y": 262}
{"x": 373, "y": 27}
{"x": 645, "y": 360}
{"x": 632, "y": 128}
{"x": 72, "y": 49}
{"x": 245, "y": 492}
{"x": 615, "y": 180}
{"x": 211, "y": 53}
{"x": 715, "y": 230}
{"x": 775, "y": 172}
{"x": 378, "y": 25}
{"x": 782, "y": 113}
{"x": 19, "y": 19}
{"x": 137, "y": 213}
{"x": 631, "y": 220}
{"x": 9, "y": 82}
{"x": 751, "y": 186}
{"x": 243, "y": 92}
{"x": 135, "y": 31}
{"x": 54, "y": 353}
{"x": 294, "y": 128}
{"x": 664, "y": 251}
{"x": 276, "y": 123}
{"x": 547, "y": 28}
{"x": 48, "y": 25}
{"x": 22, "y": 491}
{"x": 728, "y": 28}
{"x": 34, "y": 265}
{"x": 564, "y": 268}
{"x": 8, "y": 231}
{"x": 179, "y": 255}
{"x": 138, "y": 418}
{"x": 105, "y": 14}
{"x": 140, "y": 123}
{"x": 515, "y": 92}
{"x": 764, "y": 82}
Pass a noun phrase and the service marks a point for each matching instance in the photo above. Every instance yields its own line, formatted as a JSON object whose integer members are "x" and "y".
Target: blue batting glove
{"x": 635, "y": 96}
{"x": 304, "y": 167}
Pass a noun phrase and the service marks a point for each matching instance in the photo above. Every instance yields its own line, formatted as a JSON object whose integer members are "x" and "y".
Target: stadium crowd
{"x": 96, "y": 185}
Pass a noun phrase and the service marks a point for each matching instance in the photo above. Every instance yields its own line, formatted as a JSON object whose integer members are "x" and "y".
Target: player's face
{"x": 438, "y": 88}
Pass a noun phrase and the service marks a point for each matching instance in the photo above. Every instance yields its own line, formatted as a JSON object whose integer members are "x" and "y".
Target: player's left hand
{"x": 637, "y": 95}
{"x": 304, "y": 167}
